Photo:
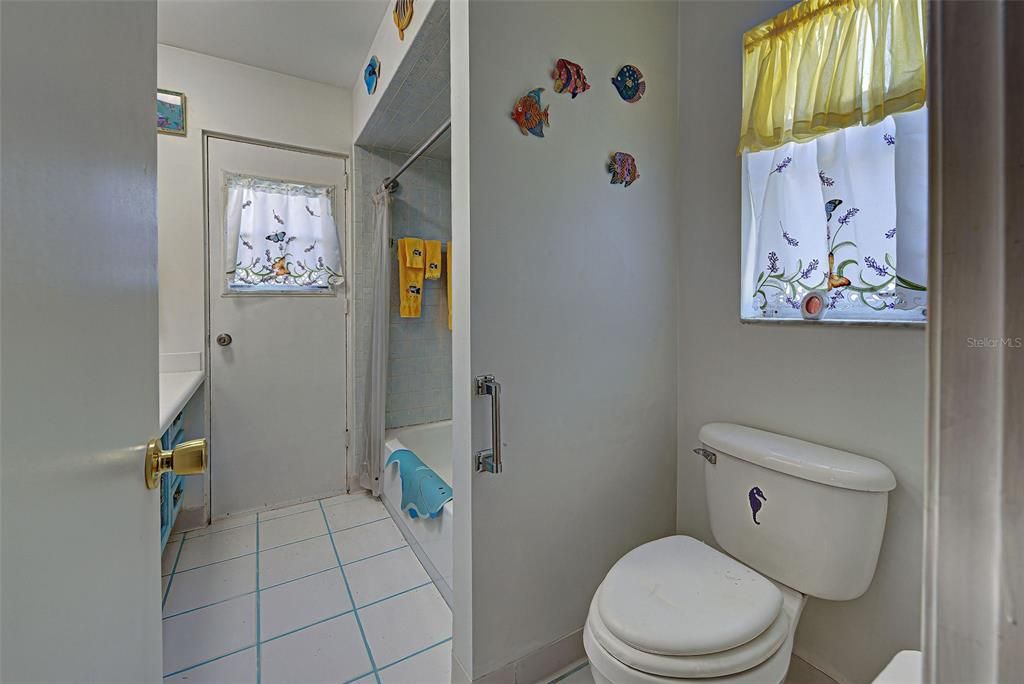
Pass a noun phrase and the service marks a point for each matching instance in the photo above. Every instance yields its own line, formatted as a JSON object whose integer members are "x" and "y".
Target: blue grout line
{"x": 397, "y": 593}
{"x": 207, "y": 605}
{"x": 312, "y": 624}
{"x": 170, "y": 579}
{"x": 413, "y": 655}
{"x": 259, "y": 649}
{"x": 348, "y": 589}
{"x": 374, "y": 555}
{"x": 208, "y": 661}
{"x": 271, "y": 548}
{"x": 294, "y": 579}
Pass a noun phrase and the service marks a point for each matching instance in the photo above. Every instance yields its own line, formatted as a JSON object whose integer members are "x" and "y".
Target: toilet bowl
{"x": 794, "y": 519}
{"x": 678, "y": 610}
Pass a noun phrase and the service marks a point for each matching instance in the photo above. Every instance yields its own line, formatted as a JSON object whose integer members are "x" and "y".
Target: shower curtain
{"x": 376, "y": 383}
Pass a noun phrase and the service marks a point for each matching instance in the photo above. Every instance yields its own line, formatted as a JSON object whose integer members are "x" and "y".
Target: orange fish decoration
{"x": 280, "y": 267}
{"x": 528, "y": 114}
{"x": 834, "y": 280}
{"x": 402, "y": 16}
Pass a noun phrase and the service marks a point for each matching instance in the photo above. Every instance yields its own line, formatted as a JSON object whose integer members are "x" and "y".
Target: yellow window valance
{"x": 823, "y": 65}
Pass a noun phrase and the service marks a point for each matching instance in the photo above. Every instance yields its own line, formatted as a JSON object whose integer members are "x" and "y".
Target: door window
{"x": 279, "y": 237}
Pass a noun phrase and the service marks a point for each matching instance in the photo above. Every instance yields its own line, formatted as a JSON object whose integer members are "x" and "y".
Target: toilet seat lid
{"x": 678, "y": 596}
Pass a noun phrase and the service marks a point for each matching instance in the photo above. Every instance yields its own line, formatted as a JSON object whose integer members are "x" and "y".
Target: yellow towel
{"x": 432, "y": 251}
{"x": 410, "y": 278}
{"x": 448, "y": 268}
{"x": 414, "y": 252}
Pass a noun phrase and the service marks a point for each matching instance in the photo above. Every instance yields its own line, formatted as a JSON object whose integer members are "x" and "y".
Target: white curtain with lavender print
{"x": 280, "y": 235}
{"x": 845, "y": 213}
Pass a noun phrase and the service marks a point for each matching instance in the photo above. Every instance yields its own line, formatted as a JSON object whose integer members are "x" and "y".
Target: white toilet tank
{"x": 806, "y": 515}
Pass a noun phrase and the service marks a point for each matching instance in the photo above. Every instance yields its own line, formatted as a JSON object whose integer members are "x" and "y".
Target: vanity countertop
{"x": 175, "y": 391}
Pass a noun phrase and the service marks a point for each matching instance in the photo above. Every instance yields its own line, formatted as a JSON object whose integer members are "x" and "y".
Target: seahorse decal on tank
{"x": 757, "y": 499}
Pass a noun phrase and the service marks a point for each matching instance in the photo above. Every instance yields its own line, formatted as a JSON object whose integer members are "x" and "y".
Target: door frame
{"x": 346, "y": 293}
{"x": 973, "y": 571}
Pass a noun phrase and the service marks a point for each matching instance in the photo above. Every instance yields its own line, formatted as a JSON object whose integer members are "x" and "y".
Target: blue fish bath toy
{"x": 630, "y": 83}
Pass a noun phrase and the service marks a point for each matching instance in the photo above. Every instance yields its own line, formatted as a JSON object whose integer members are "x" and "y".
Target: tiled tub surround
{"x": 322, "y": 591}
{"x": 420, "y": 357}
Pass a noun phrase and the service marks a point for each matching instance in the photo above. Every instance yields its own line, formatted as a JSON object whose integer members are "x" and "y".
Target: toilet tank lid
{"x": 798, "y": 458}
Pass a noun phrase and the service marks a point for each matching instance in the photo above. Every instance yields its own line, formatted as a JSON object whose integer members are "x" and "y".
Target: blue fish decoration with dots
{"x": 630, "y": 83}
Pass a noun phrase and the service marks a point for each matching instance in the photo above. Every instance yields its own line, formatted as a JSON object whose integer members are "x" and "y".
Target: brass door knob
{"x": 188, "y": 458}
{"x": 223, "y": 339}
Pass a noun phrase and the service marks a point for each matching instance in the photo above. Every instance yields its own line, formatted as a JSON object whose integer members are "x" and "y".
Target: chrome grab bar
{"x": 489, "y": 460}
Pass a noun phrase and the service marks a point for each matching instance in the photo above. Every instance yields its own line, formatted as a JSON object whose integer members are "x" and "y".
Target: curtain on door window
{"x": 280, "y": 236}
{"x": 834, "y": 149}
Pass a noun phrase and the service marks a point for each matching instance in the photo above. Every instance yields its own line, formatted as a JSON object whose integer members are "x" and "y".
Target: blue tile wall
{"x": 420, "y": 351}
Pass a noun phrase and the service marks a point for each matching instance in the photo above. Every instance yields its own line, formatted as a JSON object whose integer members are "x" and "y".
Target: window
{"x": 280, "y": 237}
{"x": 846, "y": 214}
{"x": 834, "y": 148}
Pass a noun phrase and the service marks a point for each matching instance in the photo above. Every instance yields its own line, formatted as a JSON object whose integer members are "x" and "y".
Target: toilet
{"x": 794, "y": 519}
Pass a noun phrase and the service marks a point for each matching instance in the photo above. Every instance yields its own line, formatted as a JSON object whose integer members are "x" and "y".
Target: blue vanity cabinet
{"x": 172, "y": 486}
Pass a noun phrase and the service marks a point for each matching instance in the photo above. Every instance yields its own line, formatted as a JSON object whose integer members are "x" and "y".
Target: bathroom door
{"x": 278, "y": 405}
{"x": 80, "y": 542}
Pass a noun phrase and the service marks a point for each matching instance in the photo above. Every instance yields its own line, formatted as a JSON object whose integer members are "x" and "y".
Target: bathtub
{"x": 429, "y": 538}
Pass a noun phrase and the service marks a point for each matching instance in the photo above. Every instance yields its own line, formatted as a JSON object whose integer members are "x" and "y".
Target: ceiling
{"x": 319, "y": 40}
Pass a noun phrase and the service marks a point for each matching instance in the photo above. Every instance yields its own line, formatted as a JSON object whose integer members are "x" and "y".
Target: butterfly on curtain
{"x": 276, "y": 237}
{"x": 830, "y": 207}
{"x": 277, "y": 218}
{"x": 311, "y": 212}
{"x": 834, "y": 280}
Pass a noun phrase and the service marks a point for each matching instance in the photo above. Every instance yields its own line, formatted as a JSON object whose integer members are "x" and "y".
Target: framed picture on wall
{"x": 170, "y": 113}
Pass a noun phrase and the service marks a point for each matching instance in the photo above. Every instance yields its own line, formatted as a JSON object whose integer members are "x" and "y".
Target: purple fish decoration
{"x": 622, "y": 166}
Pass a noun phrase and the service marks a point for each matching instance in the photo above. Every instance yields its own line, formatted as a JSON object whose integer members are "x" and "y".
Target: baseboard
{"x": 190, "y": 519}
{"x": 538, "y": 666}
{"x": 824, "y": 669}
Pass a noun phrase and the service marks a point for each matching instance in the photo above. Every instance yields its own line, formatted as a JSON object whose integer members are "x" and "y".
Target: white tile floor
{"x": 326, "y": 591}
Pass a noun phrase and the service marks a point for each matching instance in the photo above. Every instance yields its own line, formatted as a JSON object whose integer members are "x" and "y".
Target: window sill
{"x": 829, "y": 322}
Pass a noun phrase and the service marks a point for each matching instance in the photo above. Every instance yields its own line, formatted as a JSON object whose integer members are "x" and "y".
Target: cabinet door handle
{"x": 489, "y": 460}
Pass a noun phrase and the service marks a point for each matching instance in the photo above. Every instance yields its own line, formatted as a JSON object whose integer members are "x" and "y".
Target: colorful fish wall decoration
{"x": 622, "y": 166}
{"x": 569, "y": 78}
{"x": 528, "y": 114}
{"x": 371, "y": 74}
{"x": 630, "y": 83}
{"x": 402, "y": 16}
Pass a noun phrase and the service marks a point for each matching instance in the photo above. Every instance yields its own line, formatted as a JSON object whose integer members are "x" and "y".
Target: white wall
{"x": 859, "y": 389}
{"x": 572, "y": 287}
{"x": 390, "y": 51}
{"x": 231, "y": 98}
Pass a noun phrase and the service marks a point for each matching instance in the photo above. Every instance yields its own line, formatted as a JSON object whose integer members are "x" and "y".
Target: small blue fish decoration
{"x": 371, "y": 74}
{"x": 630, "y": 83}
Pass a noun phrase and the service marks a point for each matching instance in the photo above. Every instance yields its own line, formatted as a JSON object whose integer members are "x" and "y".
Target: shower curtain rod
{"x": 390, "y": 183}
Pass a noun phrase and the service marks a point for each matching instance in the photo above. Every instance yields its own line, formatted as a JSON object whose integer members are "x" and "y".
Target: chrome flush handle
{"x": 489, "y": 460}
{"x": 710, "y": 456}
